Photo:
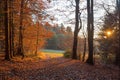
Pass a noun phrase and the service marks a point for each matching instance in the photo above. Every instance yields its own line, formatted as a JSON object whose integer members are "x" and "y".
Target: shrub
{"x": 107, "y": 58}
{"x": 67, "y": 53}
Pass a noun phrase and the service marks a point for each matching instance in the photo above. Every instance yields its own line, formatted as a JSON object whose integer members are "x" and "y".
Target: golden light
{"x": 109, "y": 33}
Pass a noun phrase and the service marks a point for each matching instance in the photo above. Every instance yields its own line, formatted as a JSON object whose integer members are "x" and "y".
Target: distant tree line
{"x": 62, "y": 38}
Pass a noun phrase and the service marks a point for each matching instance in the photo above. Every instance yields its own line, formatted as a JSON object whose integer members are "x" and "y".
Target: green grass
{"x": 52, "y": 53}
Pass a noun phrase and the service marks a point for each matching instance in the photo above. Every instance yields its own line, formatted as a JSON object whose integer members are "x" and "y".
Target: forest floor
{"x": 55, "y": 69}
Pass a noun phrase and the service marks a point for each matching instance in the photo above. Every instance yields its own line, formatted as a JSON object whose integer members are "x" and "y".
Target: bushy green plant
{"x": 67, "y": 53}
{"x": 107, "y": 58}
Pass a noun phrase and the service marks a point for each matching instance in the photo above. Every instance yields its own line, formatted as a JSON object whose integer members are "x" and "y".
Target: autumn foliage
{"x": 25, "y": 28}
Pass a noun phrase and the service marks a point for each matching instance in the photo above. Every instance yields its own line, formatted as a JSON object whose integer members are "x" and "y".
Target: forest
{"x": 59, "y": 40}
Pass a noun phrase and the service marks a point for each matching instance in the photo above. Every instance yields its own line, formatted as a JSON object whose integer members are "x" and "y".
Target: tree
{"x": 90, "y": 28}
{"x": 7, "y": 45}
{"x": 2, "y": 27}
{"x": 8, "y": 17}
{"x": 84, "y": 51}
{"x": 20, "y": 45}
{"x": 18, "y": 17}
{"x": 62, "y": 38}
{"x": 11, "y": 28}
{"x": 62, "y": 29}
{"x": 36, "y": 39}
{"x": 117, "y": 61}
{"x": 69, "y": 31}
{"x": 111, "y": 25}
{"x": 77, "y": 29}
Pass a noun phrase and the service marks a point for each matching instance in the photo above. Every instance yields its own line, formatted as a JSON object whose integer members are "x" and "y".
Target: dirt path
{"x": 55, "y": 69}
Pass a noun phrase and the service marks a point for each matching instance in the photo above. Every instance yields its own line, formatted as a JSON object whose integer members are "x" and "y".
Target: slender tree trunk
{"x": 12, "y": 32}
{"x": 88, "y": 26}
{"x": 20, "y": 48}
{"x": 119, "y": 35}
{"x": 90, "y": 31}
{"x": 37, "y": 39}
{"x": 74, "y": 52}
{"x": 10, "y": 28}
{"x": 36, "y": 52}
{"x": 84, "y": 52}
{"x": 7, "y": 46}
{"x": 117, "y": 61}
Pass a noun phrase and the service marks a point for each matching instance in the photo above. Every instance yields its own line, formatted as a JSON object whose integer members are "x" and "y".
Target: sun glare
{"x": 109, "y": 33}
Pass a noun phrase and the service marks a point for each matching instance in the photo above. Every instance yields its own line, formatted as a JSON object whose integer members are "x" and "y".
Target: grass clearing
{"x": 52, "y": 53}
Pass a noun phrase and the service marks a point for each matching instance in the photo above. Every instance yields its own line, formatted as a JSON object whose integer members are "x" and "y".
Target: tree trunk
{"x": 119, "y": 36}
{"x": 37, "y": 39}
{"x": 20, "y": 48}
{"x": 12, "y": 32}
{"x": 83, "y": 58}
{"x": 117, "y": 61}
{"x": 74, "y": 51}
{"x": 90, "y": 31}
{"x": 7, "y": 45}
{"x": 10, "y": 28}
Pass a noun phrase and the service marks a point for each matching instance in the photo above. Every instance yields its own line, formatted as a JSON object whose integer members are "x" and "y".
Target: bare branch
{"x": 72, "y": 3}
{"x": 80, "y": 22}
{"x": 109, "y": 12}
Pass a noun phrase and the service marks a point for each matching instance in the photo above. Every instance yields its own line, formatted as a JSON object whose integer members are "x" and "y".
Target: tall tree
{"x": 7, "y": 45}
{"x": 84, "y": 51}
{"x": 119, "y": 34}
{"x": 90, "y": 28}
{"x": 2, "y": 27}
{"x": 111, "y": 23}
{"x": 117, "y": 61}
{"x": 20, "y": 47}
{"x": 11, "y": 27}
{"x": 77, "y": 29}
